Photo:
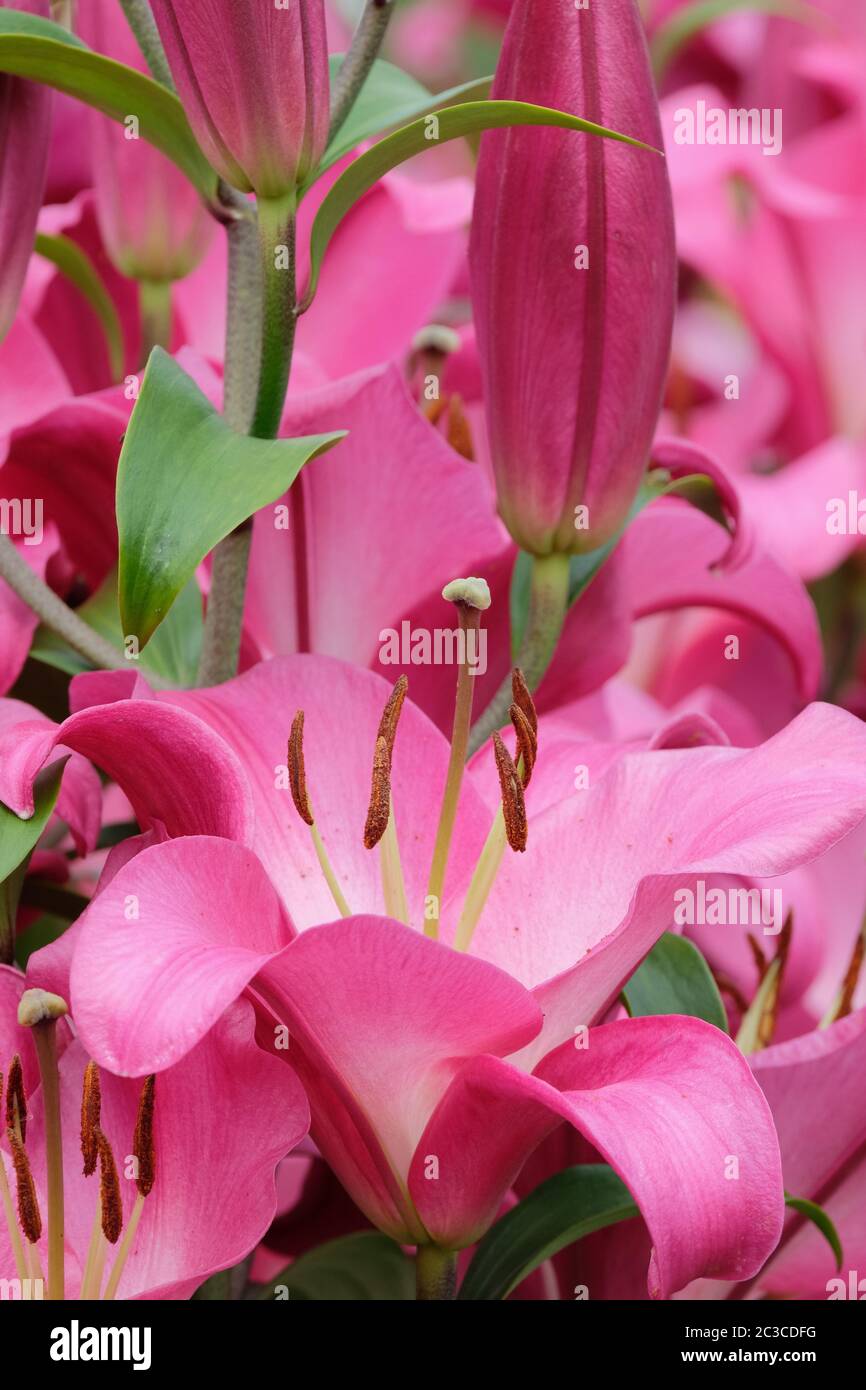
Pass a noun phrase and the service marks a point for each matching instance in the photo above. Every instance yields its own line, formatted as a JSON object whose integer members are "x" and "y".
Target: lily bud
{"x": 573, "y": 276}
{"x": 253, "y": 79}
{"x": 25, "y": 133}
{"x": 152, "y": 220}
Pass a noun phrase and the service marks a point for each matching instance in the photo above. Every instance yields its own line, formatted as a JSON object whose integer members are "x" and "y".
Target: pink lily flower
{"x": 173, "y": 1243}
{"x": 574, "y": 331}
{"x": 25, "y": 128}
{"x": 253, "y": 80}
{"x": 411, "y": 1048}
{"x": 153, "y": 222}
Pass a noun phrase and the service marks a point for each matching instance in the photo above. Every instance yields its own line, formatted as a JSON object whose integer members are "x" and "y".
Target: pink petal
{"x": 668, "y": 1102}
{"x": 165, "y": 947}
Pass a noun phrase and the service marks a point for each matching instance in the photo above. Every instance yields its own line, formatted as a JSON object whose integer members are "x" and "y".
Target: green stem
{"x": 548, "y": 607}
{"x": 139, "y": 17}
{"x": 277, "y": 243}
{"x": 435, "y": 1274}
{"x": 54, "y": 613}
{"x": 154, "y": 300}
{"x": 366, "y": 42}
{"x": 221, "y": 639}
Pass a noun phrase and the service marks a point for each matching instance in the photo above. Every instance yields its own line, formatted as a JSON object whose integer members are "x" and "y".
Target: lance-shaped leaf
{"x": 184, "y": 481}
{"x": 45, "y": 52}
{"x": 819, "y": 1218}
{"x": 390, "y": 97}
{"x": 17, "y": 841}
{"x": 452, "y": 123}
{"x": 675, "y": 979}
{"x": 565, "y": 1208}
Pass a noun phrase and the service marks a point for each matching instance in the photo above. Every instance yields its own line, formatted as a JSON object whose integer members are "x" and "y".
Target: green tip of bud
{"x": 475, "y": 593}
{"x": 38, "y": 1006}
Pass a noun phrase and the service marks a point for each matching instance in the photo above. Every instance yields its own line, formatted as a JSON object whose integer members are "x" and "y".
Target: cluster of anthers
{"x": 509, "y": 826}
{"x": 41, "y": 1011}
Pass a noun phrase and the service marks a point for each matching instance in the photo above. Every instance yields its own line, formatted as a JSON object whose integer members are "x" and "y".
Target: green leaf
{"x": 17, "y": 841}
{"x": 78, "y": 268}
{"x": 818, "y": 1216}
{"x": 184, "y": 481}
{"x": 172, "y": 654}
{"x": 39, "y": 933}
{"x": 390, "y": 98}
{"x": 453, "y": 122}
{"x": 686, "y": 24}
{"x": 46, "y": 52}
{"x": 565, "y": 1208}
{"x": 675, "y": 979}
{"x": 366, "y": 1267}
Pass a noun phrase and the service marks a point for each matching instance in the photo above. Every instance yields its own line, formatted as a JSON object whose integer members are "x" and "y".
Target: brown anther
{"x": 380, "y": 793}
{"x": 91, "y": 1108}
{"x": 852, "y": 976}
{"x": 380, "y": 796}
{"x": 297, "y": 773}
{"x": 16, "y": 1101}
{"x": 459, "y": 432}
{"x": 527, "y": 743}
{"x": 142, "y": 1143}
{"x": 110, "y": 1201}
{"x": 28, "y": 1204}
{"x": 391, "y": 714}
{"x": 513, "y": 805}
{"x": 434, "y": 409}
{"x": 521, "y": 696}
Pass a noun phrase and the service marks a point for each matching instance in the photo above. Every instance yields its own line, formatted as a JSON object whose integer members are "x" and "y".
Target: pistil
{"x": 470, "y": 597}
{"x": 40, "y": 1011}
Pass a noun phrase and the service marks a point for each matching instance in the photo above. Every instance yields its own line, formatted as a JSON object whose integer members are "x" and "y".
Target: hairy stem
{"x": 359, "y": 60}
{"x": 277, "y": 242}
{"x": 55, "y": 613}
{"x": 225, "y": 609}
{"x": 139, "y": 17}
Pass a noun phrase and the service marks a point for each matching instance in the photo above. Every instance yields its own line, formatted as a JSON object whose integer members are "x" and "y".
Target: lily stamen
{"x": 510, "y": 824}
{"x": 9, "y": 1214}
{"x": 380, "y": 827}
{"x": 40, "y": 1011}
{"x": 300, "y": 796}
{"x": 844, "y": 1001}
{"x": 145, "y": 1159}
{"x": 759, "y": 1022}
